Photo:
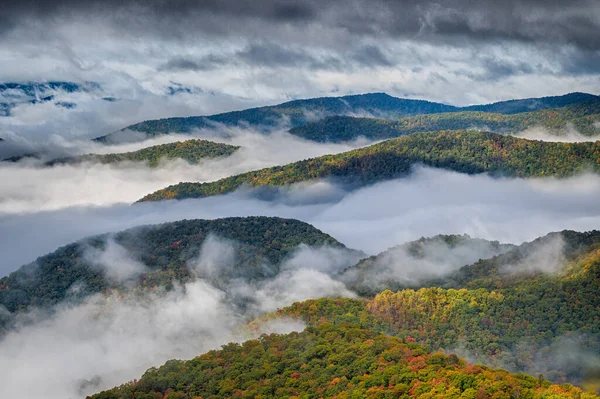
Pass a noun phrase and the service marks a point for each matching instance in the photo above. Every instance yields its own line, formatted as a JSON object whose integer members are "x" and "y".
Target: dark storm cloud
{"x": 275, "y": 55}
{"x": 371, "y": 55}
{"x": 498, "y": 69}
{"x": 190, "y": 64}
{"x": 574, "y": 22}
{"x": 581, "y": 63}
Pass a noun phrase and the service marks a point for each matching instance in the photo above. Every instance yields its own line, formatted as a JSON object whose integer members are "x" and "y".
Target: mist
{"x": 32, "y": 127}
{"x": 569, "y": 134}
{"x": 371, "y": 219}
{"x": 108, "y": 340}
{"x": 29, "y": 186}
{"x": 546, "y": 256}
{"x": 408, "y": 265}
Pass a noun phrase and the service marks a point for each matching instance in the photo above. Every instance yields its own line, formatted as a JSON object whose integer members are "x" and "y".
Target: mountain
{"x": 147, "y": 257}
{"x": 408, "y": 265}
{"x": 534, "y": 309}
{"x": 533, "y": 104}
{"x": 14, "y": 93}
{"x": 461, "y": 151}
{"x": 533, "y": 259}
{"x": 294, "y": 113}
{"x": 301, "y": 112}
{"x": 582, "y": 116}
{"x": 192, "y": 151}
{"x": 340, "y": 361}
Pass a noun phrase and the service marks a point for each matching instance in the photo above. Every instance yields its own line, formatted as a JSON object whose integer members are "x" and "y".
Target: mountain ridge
{"x": 300, "y": 112}
{"x": 470, "y": 152}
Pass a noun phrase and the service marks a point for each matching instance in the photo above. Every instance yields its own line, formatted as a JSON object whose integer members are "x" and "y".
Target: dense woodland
{"x": 260, "y": 244}
{"x": 581, "y": 116}
{"x": 192, "y": 151}
{"x": 461, "y": 151}
{"x": 301, "y": 112}
{"x": 521, "y": 320}
{"x": 377, "y": 273}
{"x": 333, "y": 361}
{"x": 293, "y": 113}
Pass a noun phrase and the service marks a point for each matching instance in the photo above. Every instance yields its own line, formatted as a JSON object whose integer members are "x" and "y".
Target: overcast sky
{"x": 241, "y": 53}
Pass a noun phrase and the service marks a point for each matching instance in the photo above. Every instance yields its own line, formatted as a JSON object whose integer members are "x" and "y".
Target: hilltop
{"x": 301, "y": 112}
{"x": 582, "y": 116}
{"x": 148, "y": 257}
{"x": 517, "y": 310}
{"x": 461, "y": 151}
{"x": 191, "y": 151}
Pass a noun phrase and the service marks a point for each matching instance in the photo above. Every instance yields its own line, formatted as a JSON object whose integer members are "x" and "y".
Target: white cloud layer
{"x": 371, "y": 219}
{"x": 28, "y": 187}
{"x": 106, "y": 341}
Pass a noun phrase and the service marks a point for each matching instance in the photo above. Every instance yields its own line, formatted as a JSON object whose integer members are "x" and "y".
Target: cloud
{"x": 456, "y": 52}
{"x": 529, "y": 20}
{"x": 28, "y": 187}
{"x": 569, "y": 134}
{"x": 117, "y": 263}
{"x": 408, "y": 265}
{"x": 371, "y": 219}
{"x": 545, "y": 256}
{"x": 81, "y": 349}
{"x": 217, "y": 258}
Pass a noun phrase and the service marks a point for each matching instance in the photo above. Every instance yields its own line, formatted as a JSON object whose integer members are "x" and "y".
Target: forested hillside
{"x": 192, "y": 151}
{"x": 532, "y": 104}
{"x": 162, "y": 255}
{"x": 408, "y": 265}
{"x": 301, "y": 112}
{"x": 519, "y": 316}
{"x": 292, "y": 113}
{"x": 581, "y": 116}
{"x": 333, "y": 361}
{"x": 461, "y": 151}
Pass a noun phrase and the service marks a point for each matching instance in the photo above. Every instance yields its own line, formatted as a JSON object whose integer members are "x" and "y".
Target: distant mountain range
{"x": 461, "y": 151}
{"x": 582, "y": 116}
{"x": 301, "y": 112}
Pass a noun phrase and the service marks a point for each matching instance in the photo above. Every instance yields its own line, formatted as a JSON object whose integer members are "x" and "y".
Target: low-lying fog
{"x": 371, "y": 219}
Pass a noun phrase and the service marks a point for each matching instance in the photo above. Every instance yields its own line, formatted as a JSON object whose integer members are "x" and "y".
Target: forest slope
{"x": 293, "y": 113}
{"x": 461, "y": 151}
{"x": 518, "y": 317}
{"x": 160, "y": 255}
{"x": 192, "y": 151}
{"x": 332, "y": 362}
{"x": 582, "y": 117}
{"x": 301, "y": 112}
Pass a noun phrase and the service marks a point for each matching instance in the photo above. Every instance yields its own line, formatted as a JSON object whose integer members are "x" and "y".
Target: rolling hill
{"x": 301, "y": 112}
{"x": 294, "y": 113}
{"x": 582, "y": 116}
{"x": 148, "y": 257}
{"x": 461, "y": 151}
{"x": 522, "y": 310}
{"x": 408, "y": 265}
{"x": 340, "y": 361}
{"x": 192, "y": 151}
{"x": 532, "y": 104}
